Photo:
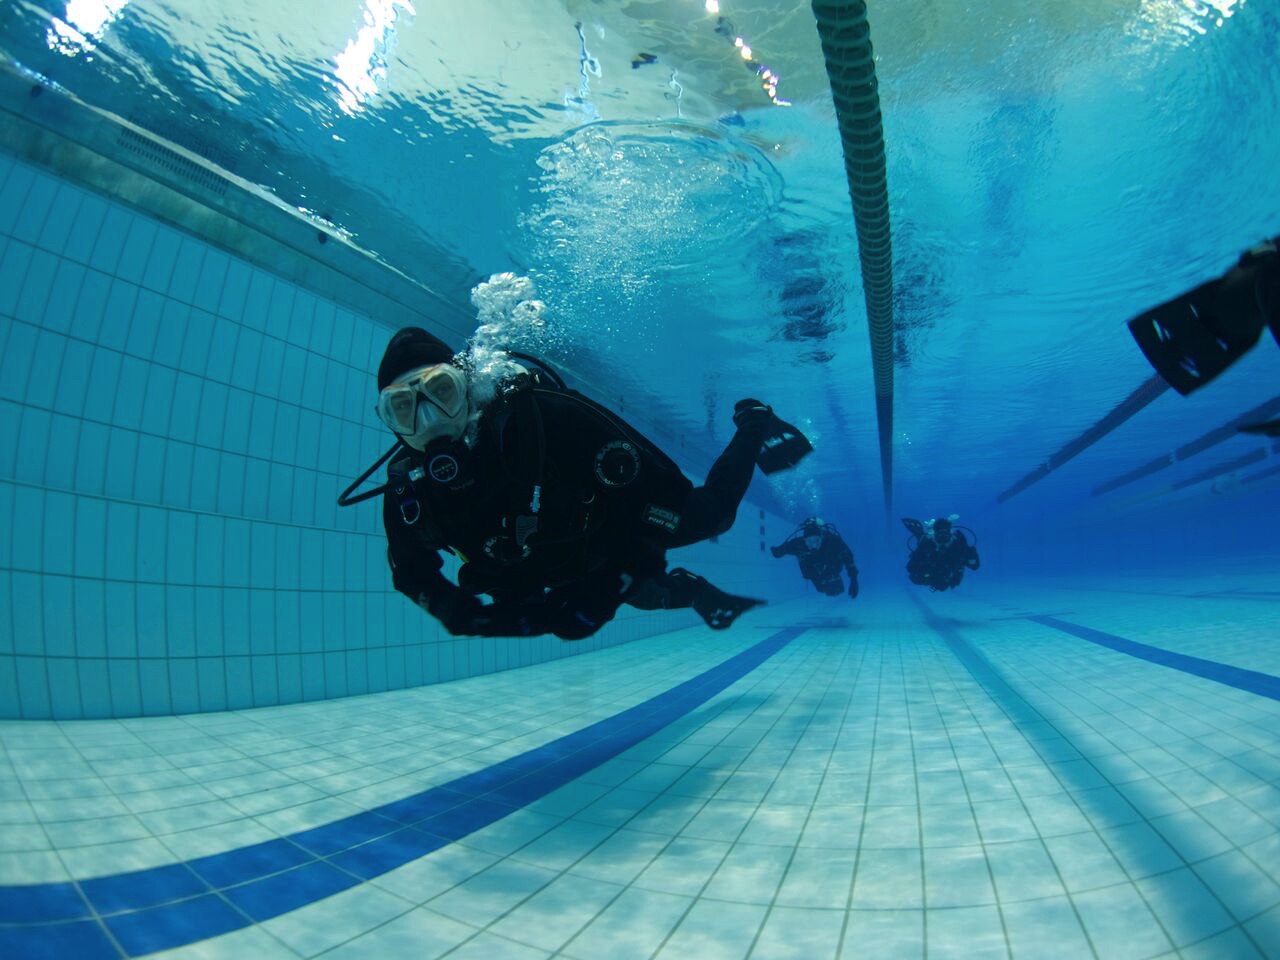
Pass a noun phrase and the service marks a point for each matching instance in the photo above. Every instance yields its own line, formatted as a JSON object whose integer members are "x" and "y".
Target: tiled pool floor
{"x": 1066, "y": 770}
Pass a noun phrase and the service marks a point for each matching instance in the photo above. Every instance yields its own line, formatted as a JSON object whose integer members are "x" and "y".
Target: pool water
{"x": 225, "y": 734}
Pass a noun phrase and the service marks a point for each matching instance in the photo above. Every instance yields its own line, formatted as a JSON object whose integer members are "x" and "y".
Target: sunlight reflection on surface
{"x": 1180, "y": 21}
{"x": 84, "y": 24}
{"x": 362, "y": 67}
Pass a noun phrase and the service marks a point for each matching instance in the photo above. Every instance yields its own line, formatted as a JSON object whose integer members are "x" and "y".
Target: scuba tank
{"x": 918, "y": 533}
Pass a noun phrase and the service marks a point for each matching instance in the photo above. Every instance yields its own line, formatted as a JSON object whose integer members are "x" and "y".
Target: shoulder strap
{"x": 530, "y": 442}
{"x": 624, "y": 429}
{"x": 401, "y": 488}
{"x": 545, "y": 379}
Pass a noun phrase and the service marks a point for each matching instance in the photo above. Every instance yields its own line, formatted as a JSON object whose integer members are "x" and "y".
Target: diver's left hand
{"x": 582, "y": 609}
{"x": 581, "y": 616}
{"x": 495, "y": 620}
{"x": 577, "y": 625}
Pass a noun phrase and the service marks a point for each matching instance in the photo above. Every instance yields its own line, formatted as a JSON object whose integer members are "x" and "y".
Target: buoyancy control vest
{"x": 554, "y": 485}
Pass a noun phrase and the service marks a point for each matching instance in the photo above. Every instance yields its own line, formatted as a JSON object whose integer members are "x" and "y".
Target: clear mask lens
{"x": 424, "y": 400}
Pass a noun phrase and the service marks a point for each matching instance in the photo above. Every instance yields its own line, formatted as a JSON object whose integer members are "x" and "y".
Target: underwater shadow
{"x": 1079, "y": 775}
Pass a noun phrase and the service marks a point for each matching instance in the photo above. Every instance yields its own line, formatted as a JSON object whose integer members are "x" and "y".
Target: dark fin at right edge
{"x": 1270, "y": 428}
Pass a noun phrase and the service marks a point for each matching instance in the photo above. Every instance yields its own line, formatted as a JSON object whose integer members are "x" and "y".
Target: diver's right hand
{"x": 457, "y": 611}
{"x": 776, "y": 551}
{"x": 463, "y": 615}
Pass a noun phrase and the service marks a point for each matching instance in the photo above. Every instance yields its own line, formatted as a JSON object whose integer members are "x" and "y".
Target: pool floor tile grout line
{"x": 641, "y": 721}
{"x": 976, "y": 663}
{"x": 1250, "y": 681}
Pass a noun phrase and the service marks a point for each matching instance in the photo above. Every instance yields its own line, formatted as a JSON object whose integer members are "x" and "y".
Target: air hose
{"x": 846, "y": 45}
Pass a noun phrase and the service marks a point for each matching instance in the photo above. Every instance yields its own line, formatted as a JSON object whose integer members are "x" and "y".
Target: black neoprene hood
{"x": 409, "y": 349}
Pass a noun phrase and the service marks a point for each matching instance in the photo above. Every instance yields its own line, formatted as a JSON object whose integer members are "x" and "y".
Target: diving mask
{"x": 426, "y": 404}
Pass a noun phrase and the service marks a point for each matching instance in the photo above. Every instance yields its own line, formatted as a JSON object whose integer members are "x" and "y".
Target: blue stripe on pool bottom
{"x": 1251, "y": 681}
{"x": 182, "y": 903}
{"x": 1268, "y": 595}
{"x": 82, "y": 939}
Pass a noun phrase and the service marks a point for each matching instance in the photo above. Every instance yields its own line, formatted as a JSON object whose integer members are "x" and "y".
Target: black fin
{"x": 781, "y": 444}
{"x": 784, "y": 447}
{"x": 720, "y": 609}
{"x": 1270, "y": 428}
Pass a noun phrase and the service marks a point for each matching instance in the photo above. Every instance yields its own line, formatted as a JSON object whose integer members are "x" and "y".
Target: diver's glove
{"x": 580, "y": 617}
{"x": 509, "y": 620}
{"x": 853, "y": 588}
{"x": 577, "y": 625}
{"x": 580, "y": 609}
{"x": 776, "y": 551}
{"x": 464, "y": 615}
{"x": 455, "y": 609}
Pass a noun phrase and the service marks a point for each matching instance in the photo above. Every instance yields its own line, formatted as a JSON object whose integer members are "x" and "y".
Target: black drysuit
{"x": 941, "y": 567}
{"x": 821, "y": 564}
{"x": 560, "y": 512}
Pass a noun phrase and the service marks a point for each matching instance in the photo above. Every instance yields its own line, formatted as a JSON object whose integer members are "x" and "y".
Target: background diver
{"x": 821, "y": 552}
{"x": 559, "y": 510}
{"x": 941, "y": 553}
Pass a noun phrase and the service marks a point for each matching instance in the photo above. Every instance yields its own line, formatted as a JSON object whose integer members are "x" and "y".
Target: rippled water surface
{"x": 1053, "y": 169}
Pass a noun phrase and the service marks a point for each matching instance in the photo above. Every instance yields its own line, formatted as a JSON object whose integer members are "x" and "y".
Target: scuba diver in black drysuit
{"x": 821, "y": 552}
{"x": 558, "y": 509}
{"x": 941, "y": 553}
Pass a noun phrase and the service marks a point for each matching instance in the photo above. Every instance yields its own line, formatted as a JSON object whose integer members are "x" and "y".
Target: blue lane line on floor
{"x": 1251, "y": 681}
{"x": 182, "y": 903}
{"x": 1267, "y": 595}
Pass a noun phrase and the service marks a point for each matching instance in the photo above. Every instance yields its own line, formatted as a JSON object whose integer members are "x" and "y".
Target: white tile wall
{"x": 175, "y": 427}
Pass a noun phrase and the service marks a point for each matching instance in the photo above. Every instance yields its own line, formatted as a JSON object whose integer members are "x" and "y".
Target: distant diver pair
{"x": 940, "y": 552}
{"x": 558, "y": 510}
